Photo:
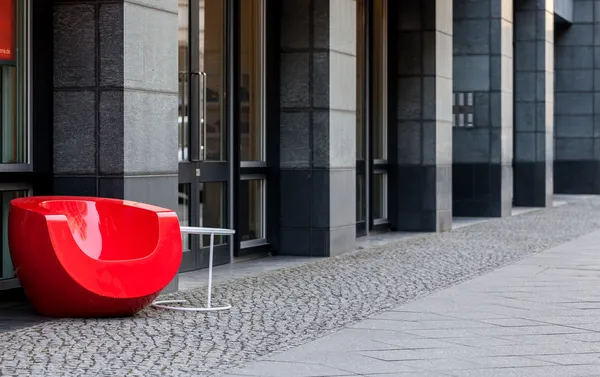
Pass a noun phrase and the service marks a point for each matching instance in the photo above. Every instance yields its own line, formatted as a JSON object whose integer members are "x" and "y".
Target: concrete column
{"x": 317, "y": 127}
{"x": 483, "y": 111}
{"x": 421, "y": 141}
{"x": 115, "y": 100}
{"x": 534, "y": 103}
{"x": 577, "y": 104}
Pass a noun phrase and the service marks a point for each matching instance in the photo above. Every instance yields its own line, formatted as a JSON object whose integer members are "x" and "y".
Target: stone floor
{"x": 281, "y": 309}
{"x": 538, "y": 317}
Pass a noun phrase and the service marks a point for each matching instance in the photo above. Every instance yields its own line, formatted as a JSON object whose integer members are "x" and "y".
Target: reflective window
{"x": 252, "y": 210}
{"x": 380, "y": 77}
{"x": 6, "y": 266}
{"x": 212, "y": 210}
{"x": 184, "y": 70}
{"x": 252, "y": 81}
{"x": 380, "y": 196}
{"x": 212, "y": 63}
{"x": 14, "y": 82}
{"x": 360, "y": 79}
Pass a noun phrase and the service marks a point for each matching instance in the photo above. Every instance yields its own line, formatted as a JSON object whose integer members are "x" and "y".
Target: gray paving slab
{"x": 314, "y": 304}
{"x": 552, "y": 330}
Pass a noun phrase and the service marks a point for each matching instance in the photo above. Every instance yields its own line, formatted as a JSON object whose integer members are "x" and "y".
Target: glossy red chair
{"x": 92, "y": 257}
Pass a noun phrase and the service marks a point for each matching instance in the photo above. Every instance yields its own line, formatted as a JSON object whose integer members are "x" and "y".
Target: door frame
{"x": 196, "y": 170}
{"x": 368, "y": 167}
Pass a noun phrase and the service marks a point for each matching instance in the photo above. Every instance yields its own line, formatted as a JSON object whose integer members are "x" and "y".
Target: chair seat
{"x": 92, "y": 257}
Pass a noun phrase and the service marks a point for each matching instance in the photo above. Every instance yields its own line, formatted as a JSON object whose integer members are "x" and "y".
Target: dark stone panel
{"x": 111, "y": 187}
{"x": 78, "y": 186}
{"x": 295, "y": 242}
{"x": 416, "y": 199}
{"x": 295, "y": 79}
{"x": 477, "y": 189}
{"x": 320, "y": 80}
{"x": 111, "y": 44}
{"x": 296, "y": 188}
{"x": 295, "y": 31}
{"x": 409, "y": 188}
{"x": 74, "y": 45}
{"x": 530, "y": 184}
{"x": 320, "y": 199}
{"x": 420, "y": 221}
{"x": 74, "y": 132}
{"x": 321, "y": 22}
{"x": 577, "y": 177}
{"x": 111, "y": 132}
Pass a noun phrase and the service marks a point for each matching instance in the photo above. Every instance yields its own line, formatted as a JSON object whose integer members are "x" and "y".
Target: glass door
{"x": 372, "y": 168}
{"x": 204, "y": 169}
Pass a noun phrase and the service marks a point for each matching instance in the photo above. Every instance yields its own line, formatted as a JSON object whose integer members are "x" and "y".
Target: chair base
{"x": 160, "y": 305}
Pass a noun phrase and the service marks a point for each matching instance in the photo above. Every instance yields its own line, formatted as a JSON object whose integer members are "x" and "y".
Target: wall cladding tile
{"x": 74, "y": 45}
{"x": 74, "y": 132}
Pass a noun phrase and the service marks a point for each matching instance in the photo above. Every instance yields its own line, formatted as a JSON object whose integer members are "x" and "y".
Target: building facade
{"x": 302, "y": 124}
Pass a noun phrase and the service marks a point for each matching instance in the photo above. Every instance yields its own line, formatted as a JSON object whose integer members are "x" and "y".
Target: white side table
{"x": 162, "y": 304}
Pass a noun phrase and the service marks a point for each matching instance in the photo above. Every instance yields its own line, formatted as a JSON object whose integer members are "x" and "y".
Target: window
{"x": 252, "y": 211}
{"x": 252, "y": 124}
{"x": 6, "y": 266}
{"x": 252, "y": 81}
{"x": 14, "y": 84}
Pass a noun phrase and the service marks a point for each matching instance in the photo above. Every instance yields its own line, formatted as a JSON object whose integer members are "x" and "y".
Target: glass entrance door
{"x": 372, "y": 166}
{"x": 204, "y": 178}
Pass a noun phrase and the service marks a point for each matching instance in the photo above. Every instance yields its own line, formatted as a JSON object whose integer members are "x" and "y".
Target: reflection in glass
{"x": 212, "y": 210}
{"x": 14, "y": 95}
{"x": 211, "y": 51}
{"x": 251, "y": 94}
{"x": 379, "y": 196}
{"x": 360, "y": 79}
{"x": 360, "y": 198}
{"x": 252, "y": 211}
{"x": 184, "y": 74}
{"x": 6, "y": 266}
{"x": 183, "y": 212}
{"x": 380, "y": 97}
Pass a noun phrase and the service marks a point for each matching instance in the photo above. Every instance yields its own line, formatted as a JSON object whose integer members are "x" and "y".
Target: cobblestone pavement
{"x": 285, "y": 308}
{"x": 538, "y": 317}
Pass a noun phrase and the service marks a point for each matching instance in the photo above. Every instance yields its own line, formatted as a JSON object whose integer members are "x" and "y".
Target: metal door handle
{"x": 204, "y": 116}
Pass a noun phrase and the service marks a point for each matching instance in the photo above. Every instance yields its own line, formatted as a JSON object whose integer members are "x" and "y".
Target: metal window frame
{"x": 262, "y": 179}
{"x": 28, "y": 96}
{"x": 13, "y": 283}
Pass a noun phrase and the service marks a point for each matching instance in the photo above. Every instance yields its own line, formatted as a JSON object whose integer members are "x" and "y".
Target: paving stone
{"x": 282, "y": 309}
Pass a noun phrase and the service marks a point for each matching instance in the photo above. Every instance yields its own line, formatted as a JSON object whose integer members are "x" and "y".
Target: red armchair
{"x": 92, "y": 257}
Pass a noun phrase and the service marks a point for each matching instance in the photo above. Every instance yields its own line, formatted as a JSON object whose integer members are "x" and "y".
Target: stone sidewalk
{"x": 538, "y": 317}
{"x": 282, "y": 309}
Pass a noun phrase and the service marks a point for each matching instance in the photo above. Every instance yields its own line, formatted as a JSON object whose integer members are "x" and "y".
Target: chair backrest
{"x": 109, "y": 230}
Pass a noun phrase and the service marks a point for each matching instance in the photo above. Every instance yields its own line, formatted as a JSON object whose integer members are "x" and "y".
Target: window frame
{"x": 26, "y": 31}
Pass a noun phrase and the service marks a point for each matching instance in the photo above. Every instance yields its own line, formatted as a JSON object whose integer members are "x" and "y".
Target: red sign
{"x": 7, "y": 30}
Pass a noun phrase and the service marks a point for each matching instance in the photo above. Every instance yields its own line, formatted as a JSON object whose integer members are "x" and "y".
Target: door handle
{"x": 203, "y": 124}
{"x": 202, "y": 114}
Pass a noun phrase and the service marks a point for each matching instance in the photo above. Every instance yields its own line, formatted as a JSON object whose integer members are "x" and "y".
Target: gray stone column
{"x": 577, "y": 104}
{"x": 483, "y": 108}
{"x": 115, "y": 100}
{"x": 534, "y": 103}
{"x": 318, "y": 127}
{"x": 422, "y": 137}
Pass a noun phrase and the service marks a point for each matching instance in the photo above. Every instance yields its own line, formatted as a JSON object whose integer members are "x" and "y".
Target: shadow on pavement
{"x": 16, "y": 312}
